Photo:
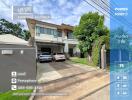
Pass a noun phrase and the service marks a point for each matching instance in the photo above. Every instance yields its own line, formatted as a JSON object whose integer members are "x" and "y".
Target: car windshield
{"x": 45, "y": 53}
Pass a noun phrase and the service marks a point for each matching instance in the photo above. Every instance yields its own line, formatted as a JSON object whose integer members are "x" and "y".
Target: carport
{"x": 50, "y": 47}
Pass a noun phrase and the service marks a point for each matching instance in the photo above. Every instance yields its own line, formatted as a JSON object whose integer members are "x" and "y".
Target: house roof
{"x": 62, "y": 26}
{"x": 11, "y": 39}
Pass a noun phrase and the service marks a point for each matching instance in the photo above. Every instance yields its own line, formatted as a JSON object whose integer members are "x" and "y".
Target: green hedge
{"x": 95, "y": 53}
{"x": 97, "y": 46}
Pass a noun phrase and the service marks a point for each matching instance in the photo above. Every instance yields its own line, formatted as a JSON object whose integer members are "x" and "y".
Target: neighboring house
{"x": 15, "y": 56}
{"x": 53, "y": 38}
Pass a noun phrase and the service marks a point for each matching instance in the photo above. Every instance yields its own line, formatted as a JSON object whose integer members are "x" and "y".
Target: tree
{"x": 97, "y": 48}
{"x": 7, "y": 27}
{"x": 27, "y": 34}
{"x": 91, "y": 26}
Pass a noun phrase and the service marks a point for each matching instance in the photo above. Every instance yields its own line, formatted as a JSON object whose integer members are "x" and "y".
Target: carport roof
{"x": 49, "y": 43}
{"x": 11, "y": 39}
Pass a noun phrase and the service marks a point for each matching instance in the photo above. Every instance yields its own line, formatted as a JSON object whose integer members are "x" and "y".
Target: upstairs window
{"x": 41, "y": 30}
{"x": 55, "y": 33}
{"x": 52, "y": 31}
{"x": 59, "y": 33}
{"x": 70, "y": 35}
{"x": 45, "y": 31}
{"x": 37, "y": 30}
{"x": 49, "y": 31}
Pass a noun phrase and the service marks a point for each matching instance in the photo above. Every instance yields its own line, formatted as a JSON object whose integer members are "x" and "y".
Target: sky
{"x": 61, "y": 11}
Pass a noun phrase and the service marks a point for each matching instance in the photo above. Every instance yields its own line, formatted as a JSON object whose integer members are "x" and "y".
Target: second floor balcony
{"x": 53, "y": 35}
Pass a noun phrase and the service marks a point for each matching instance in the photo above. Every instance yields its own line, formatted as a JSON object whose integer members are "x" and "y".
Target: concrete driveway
{"x": 68, "y": 81}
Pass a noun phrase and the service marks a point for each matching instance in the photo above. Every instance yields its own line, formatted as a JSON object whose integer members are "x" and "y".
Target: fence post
{"x": 103, "y": 57}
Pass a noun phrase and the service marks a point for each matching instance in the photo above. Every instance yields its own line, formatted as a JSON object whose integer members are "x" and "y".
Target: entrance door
{"x": 71, "y": 52}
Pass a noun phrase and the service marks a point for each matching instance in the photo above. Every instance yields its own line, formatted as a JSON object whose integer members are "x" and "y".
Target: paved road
{"x": 68, "y": 81}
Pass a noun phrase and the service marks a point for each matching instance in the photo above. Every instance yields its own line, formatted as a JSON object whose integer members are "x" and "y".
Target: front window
{"x": 49, "y": 31}
{"x": 70, "y": 35}
{"x": 59, "y": 33}
{"x": 55, "y": 33}
{"x": 52, "y": 31}
{"x": 37, "y": 30}
{"x": 45, "y": 31}
{"x": 42, "y": 30}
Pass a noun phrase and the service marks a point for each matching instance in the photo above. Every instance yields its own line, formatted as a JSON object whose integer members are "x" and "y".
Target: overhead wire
{"x": 107, "y": 11}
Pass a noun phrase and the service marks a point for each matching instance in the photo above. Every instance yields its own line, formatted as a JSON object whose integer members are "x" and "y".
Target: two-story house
{"x": 53, "y": 38}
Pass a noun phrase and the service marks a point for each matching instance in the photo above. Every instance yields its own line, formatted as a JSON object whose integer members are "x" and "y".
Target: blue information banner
{"x": 121, "y": 49}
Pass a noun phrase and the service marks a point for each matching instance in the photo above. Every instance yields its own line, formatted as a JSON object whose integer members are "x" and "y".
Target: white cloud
{"x": 72, "y": 20}
{"x": 69, "y": 5}
{"x": 62, "y": 2}
{"x": 82, "y": 8}
{"x": 65, "y": 11}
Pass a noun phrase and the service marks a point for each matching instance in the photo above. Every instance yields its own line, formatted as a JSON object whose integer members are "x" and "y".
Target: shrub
{"x": 97, "y": 47}
{"x": 95, "y": 53}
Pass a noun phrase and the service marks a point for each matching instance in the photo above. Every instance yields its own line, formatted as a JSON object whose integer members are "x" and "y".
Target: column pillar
{"x": 103, "y": 57}
{"x": 66, "y": 50}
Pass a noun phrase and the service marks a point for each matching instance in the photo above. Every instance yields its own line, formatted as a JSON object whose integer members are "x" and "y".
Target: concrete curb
{"x": 90, "y": 93}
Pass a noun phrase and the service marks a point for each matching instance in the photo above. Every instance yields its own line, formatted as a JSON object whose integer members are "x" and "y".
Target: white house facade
{"x": 53, "y": 38}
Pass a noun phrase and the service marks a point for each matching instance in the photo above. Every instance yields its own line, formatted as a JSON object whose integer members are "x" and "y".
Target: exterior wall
{"x": 66, "y": 48}
{"x": 18, "y": 62}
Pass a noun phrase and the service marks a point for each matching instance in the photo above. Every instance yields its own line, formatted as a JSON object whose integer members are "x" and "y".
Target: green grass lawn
{"x": 81, "y": 61}
{"x": 9, "y": 95}
{"x": 84, "y": 61}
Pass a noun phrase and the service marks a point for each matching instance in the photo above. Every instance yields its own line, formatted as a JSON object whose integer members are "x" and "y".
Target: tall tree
{"x": 91, "y": 26}
{"x": 27, "y": 34}
{"x": 7, "y": 27}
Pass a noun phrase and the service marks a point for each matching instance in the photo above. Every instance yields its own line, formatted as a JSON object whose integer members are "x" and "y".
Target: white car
{"x": 59, "y": 56}
{"x": 45, "y": 56}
